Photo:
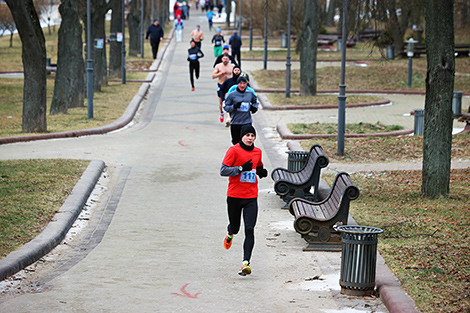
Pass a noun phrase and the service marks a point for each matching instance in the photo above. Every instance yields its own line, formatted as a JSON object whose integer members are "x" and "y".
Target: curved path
{"x": 154, "y": 242}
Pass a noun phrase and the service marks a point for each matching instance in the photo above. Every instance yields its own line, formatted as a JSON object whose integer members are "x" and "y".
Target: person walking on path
{"x": 240, "y": 103}
{"x": 236, "y": 43}
{"x": 217, "y": 40}
{"x": 225, "y": 50}
{"x": 197, "y": 35}
{"x": 194, "y": 54}
{"x": 222, "y": 72}
{"x": 155, "y": 31}
{"x": 210, "y": 16}
{"x": 232, "y": 81}
{"x": 179, "y": 25}
{"x": 242, "y": 162}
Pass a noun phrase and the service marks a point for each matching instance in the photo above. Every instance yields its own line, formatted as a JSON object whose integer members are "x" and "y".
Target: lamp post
{"x": 240, "y": 18}
{"x": 288, "y": 63}
{"x": 251, "y": 24}
{"x": 89, "y": 61}
{"x": 142, "y": 29}
{"x": 342, "y": 87}
{"x": 410, "y": 53}
{"x": 265, "y": 63}
{"x": 123, "y": 45}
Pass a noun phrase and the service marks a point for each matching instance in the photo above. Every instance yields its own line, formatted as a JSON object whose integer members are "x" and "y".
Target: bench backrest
{"x": 337, "y": 203}
{"x": 316, "y": 155}
{"x": 341, "y": 193}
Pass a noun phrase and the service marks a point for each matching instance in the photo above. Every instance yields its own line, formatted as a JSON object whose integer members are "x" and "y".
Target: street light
{"x": 288, "y": 63}
{"x": 142, "y": 29}
{"x": 251, "y": 23}
{"x": 410, "y": 53}
{"x": 342, "y": 87}
{"x": 89, "y": 61}
{"x": 240, "y": 18}
{"x": 265, "y": 63}
{"x": 123, "y": 45}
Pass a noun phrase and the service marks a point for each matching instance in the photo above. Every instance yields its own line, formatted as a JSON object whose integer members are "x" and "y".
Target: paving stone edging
{"x": 60, "y": 224}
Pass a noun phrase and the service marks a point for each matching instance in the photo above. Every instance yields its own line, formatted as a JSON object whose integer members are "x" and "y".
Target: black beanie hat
{"x": 241, "y": 79}
{"x": 246, "y": 129}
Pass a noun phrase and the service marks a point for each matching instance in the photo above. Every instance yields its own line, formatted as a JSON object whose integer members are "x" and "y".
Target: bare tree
{"x": 308, "y": 50}
{"x": 437, "y": 141}
{"x": 6, "y": 22}
{"x": 115, "y": 47}
{"x": 34, "y": 64}
{"x": 45, "y": 9}
{"x": 69, "y": 88}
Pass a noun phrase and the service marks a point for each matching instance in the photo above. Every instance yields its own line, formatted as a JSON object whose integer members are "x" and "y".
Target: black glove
{"x": 253, "y": 109}
{"x": 247, "y": 166}
{"x": 237, "y": 105}
{"x": 261, "y": 171}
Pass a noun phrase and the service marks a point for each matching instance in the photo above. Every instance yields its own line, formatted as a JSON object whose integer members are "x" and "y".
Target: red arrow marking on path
{"x": 181, "y": 143}
{"x": 185, "y": 293}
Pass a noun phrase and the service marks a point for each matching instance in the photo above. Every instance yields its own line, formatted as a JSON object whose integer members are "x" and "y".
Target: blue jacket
{"x": 248, "y": 104}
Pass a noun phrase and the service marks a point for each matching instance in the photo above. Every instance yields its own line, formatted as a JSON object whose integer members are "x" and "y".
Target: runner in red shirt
{"x": 242, "y": 162}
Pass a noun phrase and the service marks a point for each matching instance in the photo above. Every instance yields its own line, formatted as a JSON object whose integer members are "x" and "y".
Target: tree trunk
{"x": 100, "y": 68}
{"x": 437, "y": 140}
{"x": 69, "y": 88}
{"x": 34, "y": 63}
{"x": 115, "y": 47}
{"x": 330, "y": 14}
{"x": 133, "y": 23}
{"x": 228, "y": 10}
{"x": 308, "y": 50}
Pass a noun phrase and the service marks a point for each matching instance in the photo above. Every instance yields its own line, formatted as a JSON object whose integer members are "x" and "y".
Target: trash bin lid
{"x": 356, "y": 229}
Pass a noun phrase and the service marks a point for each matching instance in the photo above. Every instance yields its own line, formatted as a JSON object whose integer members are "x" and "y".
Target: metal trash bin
{"x": 358, "y": 259}
{"x": 296, "y": 160}
{"x": 390, "y": 52}
{"x": 457, "y": 103}
{"x": 284, "y": 40}
{"x": 419, "y": 122}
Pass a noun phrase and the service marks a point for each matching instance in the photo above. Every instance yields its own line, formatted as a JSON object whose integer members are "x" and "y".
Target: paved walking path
{"x": 153, "y": 242}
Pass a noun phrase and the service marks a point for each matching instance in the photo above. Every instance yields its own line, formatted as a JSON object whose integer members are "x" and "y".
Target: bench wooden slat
{"x": 315, "y": 220}
{"x": 288, "y": 184}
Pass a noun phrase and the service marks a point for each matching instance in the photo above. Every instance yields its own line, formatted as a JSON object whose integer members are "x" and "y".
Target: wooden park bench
{"x": 315, "y": 221}
{"x": 297, "y": 184}
{"x": 326, "y": 40}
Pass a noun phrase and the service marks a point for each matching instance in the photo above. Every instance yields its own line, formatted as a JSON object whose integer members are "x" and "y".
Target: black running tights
{"x": 249, "y": 208}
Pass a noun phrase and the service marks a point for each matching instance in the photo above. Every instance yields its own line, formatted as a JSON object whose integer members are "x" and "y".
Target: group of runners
{"x": 243, "y": 161}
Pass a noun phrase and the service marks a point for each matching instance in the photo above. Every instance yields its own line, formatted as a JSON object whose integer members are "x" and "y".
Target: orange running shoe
{"x": 228, "y": 241}
{"x": 245, "y": 269}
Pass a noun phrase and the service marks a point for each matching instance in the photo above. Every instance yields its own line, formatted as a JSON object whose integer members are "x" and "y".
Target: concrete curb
{"x": 56, "y": 230}
{"x": 285, "y": 133}
{"x": 395, "y": 299}
{"x": 268, "y": 106}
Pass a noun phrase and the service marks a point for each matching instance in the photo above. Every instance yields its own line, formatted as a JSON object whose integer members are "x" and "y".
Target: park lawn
{"x": 332, "y": 128}
{"x": 279, "y": 99}
{"x": 382, "y": 75}
{"x": 108, "y": 105}
{"x": 425, "y": 241}
{"x": 384, "y": 149}
{"x": 31, "y": 192}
